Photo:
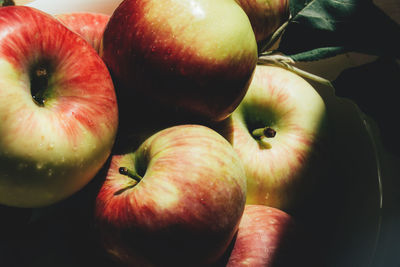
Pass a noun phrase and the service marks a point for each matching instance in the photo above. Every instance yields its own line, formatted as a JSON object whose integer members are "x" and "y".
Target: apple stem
{"x": 267, "y": 132}
{"x": 130, "y": 173}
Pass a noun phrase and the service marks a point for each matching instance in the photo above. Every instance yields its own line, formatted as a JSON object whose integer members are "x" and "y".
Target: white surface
{"x": 64, "y": 6}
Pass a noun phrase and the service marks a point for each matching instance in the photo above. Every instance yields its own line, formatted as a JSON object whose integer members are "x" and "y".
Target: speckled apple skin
{"x": 196, "y": 56}
{"x": 49, "y": 152}
{"x": 186, "y": 209}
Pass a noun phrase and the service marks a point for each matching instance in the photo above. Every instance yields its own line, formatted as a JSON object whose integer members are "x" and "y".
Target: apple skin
{"x": 195, "y": 56}
{"x": 185, "y": 210}
{"x": 89, "y": 25}
{"x": 267, "y": 237}
{"x": 265, "y": 16}
{"x": 282, "y": 170}
{"x": 58, "y": 109}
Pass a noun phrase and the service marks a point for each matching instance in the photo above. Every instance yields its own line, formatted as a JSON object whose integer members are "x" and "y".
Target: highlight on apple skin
{"x": 280, "y": 132}
{"x": 195, "y": 56}
{"x": 58, "y": 109}
{"x": 175, "y": 201}
{"x": 89, "y": 25}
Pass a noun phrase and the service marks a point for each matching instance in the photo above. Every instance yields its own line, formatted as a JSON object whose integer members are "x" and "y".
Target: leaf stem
{"x": 287, "y": 63}
{"x": 275, "y": 36}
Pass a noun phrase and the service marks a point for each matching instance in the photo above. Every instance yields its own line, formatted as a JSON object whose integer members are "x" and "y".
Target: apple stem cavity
{"x": 263, "y": 134}
{"x": 39, "y": 84}
{"x": 130, "y": 174}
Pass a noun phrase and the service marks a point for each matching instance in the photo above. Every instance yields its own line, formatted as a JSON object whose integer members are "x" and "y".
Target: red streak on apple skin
{"x": 82, "y": 89}
{"x": 164, "y": 67}
{"x": 88, "y": 25}
{"x": 266, "y": 238}
{"x": 265, "y": 16}
{"x": 209, "y": 201}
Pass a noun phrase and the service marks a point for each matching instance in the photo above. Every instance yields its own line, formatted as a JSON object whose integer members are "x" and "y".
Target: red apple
{"x": 176, "y": 201}
{"x": 267, "y": 237}
{"x": 280, "y": 132}
{"x": 58, "y": 109}
{"x": 196, "y": 56}
{"x": 89, "y": 25}
{"x": 266, "y": 16}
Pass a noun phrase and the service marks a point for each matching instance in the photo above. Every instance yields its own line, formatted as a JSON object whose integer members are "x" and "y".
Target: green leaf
{"x": 325, "y": 28}
{"x": 7, "y": 3}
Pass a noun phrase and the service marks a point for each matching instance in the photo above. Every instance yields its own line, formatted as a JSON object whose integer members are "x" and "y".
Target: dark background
{"x": 374, "y": 87}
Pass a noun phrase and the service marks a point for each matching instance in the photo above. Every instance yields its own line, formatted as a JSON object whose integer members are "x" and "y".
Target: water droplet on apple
{"x": 50, "y": 172}
{"x": 39, "y": 165}
{"x": 51, "y": 146}
{"x": 273, "y": 221}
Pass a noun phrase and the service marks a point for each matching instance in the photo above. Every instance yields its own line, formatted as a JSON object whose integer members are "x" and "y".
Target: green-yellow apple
{"x": 58, "y": 109}
{"x": 266, "y": 16}
{"x": 267, "y": 237}
{"x": 196, "y": 56}
{"x": 175, "y": 201}
{"x": 89, "y": 25}
{"x": 279, "y": 131}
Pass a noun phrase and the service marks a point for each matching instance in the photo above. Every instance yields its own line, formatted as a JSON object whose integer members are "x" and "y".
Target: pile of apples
{"x": 207, "y": 153}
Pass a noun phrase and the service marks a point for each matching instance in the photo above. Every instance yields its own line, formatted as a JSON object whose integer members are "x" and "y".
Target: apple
{"x": 265, "y": 16}
{"x": 175, "y": 201}
{"x": 58, "y": 109}
{"x": 267, "y": 237}
{"x": 89, "y": 25}
{"x": 280, "y": 132}
{"x": 195, "y": 56}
